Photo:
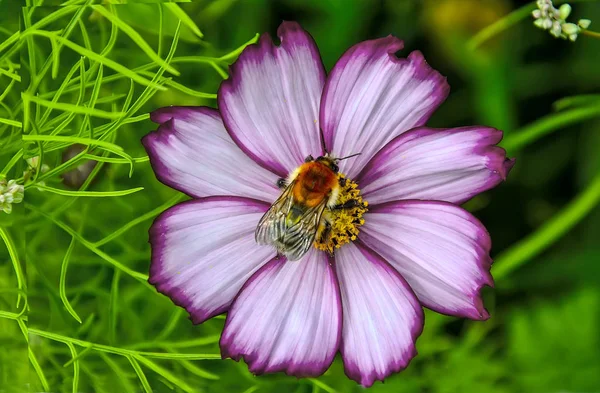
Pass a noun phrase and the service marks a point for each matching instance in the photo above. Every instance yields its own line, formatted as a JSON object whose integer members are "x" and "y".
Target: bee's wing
{"x": 298, "y": 238}
{"x": 272, "y": 224}
{"x": 291, "y": 240}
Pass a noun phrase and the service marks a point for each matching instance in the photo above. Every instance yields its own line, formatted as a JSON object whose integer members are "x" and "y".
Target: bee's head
{"x": 332, "y": 162}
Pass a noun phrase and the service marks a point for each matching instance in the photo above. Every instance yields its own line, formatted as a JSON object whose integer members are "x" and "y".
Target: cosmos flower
{"x": 413, "y": 246}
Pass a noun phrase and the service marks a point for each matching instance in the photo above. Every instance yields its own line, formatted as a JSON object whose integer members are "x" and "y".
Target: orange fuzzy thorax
{"x": 314, "y": 182}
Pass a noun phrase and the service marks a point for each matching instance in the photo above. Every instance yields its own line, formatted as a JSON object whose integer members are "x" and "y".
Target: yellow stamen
{"x": 344, "y": 222}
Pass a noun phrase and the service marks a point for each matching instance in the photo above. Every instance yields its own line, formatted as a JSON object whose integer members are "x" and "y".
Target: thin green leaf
{"x": 236, "y": 52}
{"x": 100, "y": 59}
{"x": 38, "y": 369}
{"x": 114, "y": 306}
{"x": 14, "y": 258}
{"x": 11, "y": 122}
{"x": 71, "y": 140}
{"x": 74, "y": 108}
{"x": 138, "y": 276}
{"x": 576, "y": 101}
{"x": 63, "y": 279}
{"x": 75, "y": 367}
{"x": 501, "y": 25}
{"x": 322, "y": 385}
{"x": 151, "y": 214}
{"x": 13, "y": 161}
{"x": 532, "y": 132}
{"x": 135, "y": 36}
{"x": 168, "y": 375}
{"x": 561, "y": 223}
{"x": 95, "y": 194}
{"x": 140, "y": 373}
{"x": 183, "y": 17}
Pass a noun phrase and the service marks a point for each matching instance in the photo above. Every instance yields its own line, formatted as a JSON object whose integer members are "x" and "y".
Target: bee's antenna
{"x": 323, "y": 141}
{"x": 350, "y": 156}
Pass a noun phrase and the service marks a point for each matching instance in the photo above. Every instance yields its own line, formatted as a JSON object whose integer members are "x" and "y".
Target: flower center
{"x": 344, "y": 219}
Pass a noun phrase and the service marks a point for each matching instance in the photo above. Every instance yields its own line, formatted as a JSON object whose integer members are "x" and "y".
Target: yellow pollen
{"x": 344, "y": 221}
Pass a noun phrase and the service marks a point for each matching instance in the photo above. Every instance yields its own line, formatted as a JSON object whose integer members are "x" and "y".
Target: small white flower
{"x": 547, "y": 17}
{"x": 10, "y": 192}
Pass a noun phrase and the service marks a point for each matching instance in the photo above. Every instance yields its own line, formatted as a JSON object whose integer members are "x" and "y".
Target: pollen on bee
{"x": 344, "y": 222}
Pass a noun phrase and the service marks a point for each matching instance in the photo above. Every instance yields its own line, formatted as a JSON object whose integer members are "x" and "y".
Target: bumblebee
{"x": 300, "y": 214}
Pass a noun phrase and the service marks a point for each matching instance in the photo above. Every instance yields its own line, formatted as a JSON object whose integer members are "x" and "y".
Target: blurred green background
{"x": 73, "y": 266}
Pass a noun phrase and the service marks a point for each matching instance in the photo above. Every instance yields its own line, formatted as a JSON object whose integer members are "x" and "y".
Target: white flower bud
{"x": 573, "y": 37}
{"x": 584, "y": 23}
{"x": 547, "y": 23}
{"x": 556, "y": 29}
{"x": 570, "y": 28}
{"x": 539, "y": 23}
{"x": 537, "y": 14}
{"x": 564, "y": 11}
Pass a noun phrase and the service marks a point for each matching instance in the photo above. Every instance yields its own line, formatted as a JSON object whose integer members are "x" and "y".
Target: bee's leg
{"x": 281, "y": 183}
{"x": 325, "y": 233}
{"x": 343, "y": 182}
{"x": 309, "y": 158}
{"x": 346, "y": 205}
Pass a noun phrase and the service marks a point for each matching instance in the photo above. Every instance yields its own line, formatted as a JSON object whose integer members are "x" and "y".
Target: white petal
{"x": 192, "y": 152}
{"x": 203, "y": 251}
{"x": 286, "y": 318}
{"x": 270, "y": 103}
{"x": 382, "y": 317}
{"x": 371, "y": 96}
{"x": 440, "y": 249}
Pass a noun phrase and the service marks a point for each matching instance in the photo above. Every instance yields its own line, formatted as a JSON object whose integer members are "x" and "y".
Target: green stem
{"x": 591, "y": 33}
{"x": 500, "y": 25}
{"x": 552, "y": 230}
{"x": 122, "y": 351}
{"x": 14, "y": 257}
{"x": 507, "y": 22}
{"x": 547, "y": 124}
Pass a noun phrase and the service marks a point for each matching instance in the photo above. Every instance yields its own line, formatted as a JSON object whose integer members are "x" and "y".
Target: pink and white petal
{"x": 451, "y": 165}
{"x": 371, "y": 96}
{"x": 440, "y": 249}
{"x": 382, "y": 318}
{"x": 203, "y": 251}
{"x": 287, "y": 317}
{"x": 270, "y": 103}
{"x": 192, "y": 152}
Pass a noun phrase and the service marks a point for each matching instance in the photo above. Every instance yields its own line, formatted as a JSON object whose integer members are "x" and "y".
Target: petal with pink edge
{"x": 203, "y": 251}
{"x": 371, "y": 96}
{"x": 270, "y": 103}
{"x": 287, "y": 317}
{"x": 440, "y": 249}
{"x": 382, "y": 318}
{"x": 451, "y": 165}
{"x": 192, "y": 152}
